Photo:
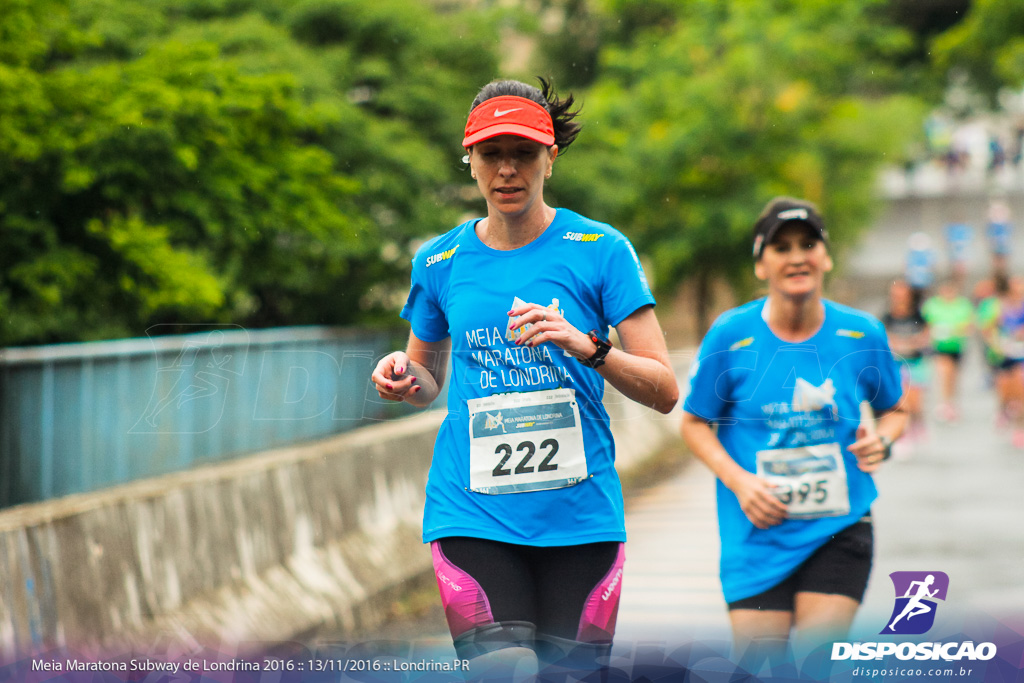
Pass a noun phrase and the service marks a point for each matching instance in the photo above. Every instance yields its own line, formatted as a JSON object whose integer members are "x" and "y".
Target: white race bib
{"x": 529, "y": 441}
{"x": 810, "y": 480}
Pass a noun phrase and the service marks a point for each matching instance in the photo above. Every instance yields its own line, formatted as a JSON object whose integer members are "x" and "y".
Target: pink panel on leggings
{"x": 597, "y": 625}
{"x": 464, "y": 601}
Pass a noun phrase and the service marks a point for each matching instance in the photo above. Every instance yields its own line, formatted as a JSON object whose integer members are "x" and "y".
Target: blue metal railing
{"x": 80, "y": 417}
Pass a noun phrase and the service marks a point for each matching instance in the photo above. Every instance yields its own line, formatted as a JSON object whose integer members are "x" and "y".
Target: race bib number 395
{"x": 810, "y": 481}
{"x": 525, "y": 442}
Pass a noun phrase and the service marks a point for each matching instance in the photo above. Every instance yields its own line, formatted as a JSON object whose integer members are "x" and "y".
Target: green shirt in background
{"x": 949, "y": 321}
{"x": 988, "y": 311}
{"x": 987, "y": 316}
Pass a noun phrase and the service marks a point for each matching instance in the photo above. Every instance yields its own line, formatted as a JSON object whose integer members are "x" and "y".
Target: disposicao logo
{"x": 916, "y": 595}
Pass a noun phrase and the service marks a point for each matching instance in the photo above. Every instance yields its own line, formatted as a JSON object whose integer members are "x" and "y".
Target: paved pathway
{"x": 671, "y": 589}
{"x": 956, "y": 504}
{"x": 953, "y": 503}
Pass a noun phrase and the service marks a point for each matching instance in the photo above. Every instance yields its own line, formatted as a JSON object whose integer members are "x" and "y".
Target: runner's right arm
{"x": 415, "y": 375}
{"x": 757, "y": 501}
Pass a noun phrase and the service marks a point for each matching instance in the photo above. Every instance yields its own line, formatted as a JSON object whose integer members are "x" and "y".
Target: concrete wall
{"x": 262, "y": 549}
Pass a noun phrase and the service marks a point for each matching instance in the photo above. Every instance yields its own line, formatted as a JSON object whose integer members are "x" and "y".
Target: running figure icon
{"x": 915, "y": 605}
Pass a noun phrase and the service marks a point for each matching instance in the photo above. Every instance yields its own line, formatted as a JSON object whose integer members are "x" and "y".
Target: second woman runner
{"x": 774, "y": 411}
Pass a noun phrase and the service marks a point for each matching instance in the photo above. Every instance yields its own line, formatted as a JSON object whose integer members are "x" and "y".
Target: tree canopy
{"x": 710, "y": 108}
{"x": 215, "y": 161}
{"x": 988, "y": 45}
{"x": 274, "y": 162}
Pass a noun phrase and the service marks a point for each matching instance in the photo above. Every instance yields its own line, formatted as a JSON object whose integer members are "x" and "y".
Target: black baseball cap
{"x": 780, "y": 211}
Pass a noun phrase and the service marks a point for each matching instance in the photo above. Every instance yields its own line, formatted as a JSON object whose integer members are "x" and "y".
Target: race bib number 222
{"x": 525, "y": 442}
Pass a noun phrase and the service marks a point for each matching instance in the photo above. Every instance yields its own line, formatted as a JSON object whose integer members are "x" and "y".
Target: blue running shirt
{"x": 1000, "y": 237}
{"x": 769, "y": 396}
{"x": 464, "y": 289}
{"x": 958, "y": 241}
{"x": 920, "y": 269}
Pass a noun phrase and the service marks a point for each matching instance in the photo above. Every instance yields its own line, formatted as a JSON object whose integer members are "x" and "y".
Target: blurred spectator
{"x": 999, "y": 235}
{"x": 910, "y": 342}
{"x": 920, "y": 267}
{"x": 1018, "y": 154}
{"x": 958, "y": 250}
{"x": 996, "y": 154}
{"x": 950, "y": 316}
{"x": 1007, "y": 338}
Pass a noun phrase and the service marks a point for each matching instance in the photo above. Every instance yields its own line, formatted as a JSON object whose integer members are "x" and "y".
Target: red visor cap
{"x": 509, "y": 115}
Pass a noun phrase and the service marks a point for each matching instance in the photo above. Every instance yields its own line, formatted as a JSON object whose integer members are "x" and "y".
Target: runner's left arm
{"x": 640, "y": 369}
{"x": 868, "y": 448}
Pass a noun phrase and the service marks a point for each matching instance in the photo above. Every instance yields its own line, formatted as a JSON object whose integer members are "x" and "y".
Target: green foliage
{"x": 569, "y": 53}
{"x": 271, "y": 162}
{"x": 988, "y": 45}
{"x": 171, "y": 187}
{"x": 924, "y": 20}
{"x": 694, "y": 124}
{"x": 221, "y": 160}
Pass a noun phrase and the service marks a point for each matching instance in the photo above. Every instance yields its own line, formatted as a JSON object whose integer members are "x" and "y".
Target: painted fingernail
{"x": 413, "y": 379}
{"x": 400, "y": 370}
{"x": 389, "y": 386}
{"x": 416, "y": 389}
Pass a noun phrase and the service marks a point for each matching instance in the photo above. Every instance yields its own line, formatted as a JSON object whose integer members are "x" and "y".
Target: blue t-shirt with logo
{"x": 463, "y": 289}
{"x": 771, "y": 397}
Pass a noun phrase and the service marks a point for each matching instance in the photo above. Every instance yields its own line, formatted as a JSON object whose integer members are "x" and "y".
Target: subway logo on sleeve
{"x": 583, "y": 236}
{"x": 442, "y": 256}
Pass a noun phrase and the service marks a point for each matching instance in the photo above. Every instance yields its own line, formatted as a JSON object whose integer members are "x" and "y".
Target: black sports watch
{"x": 603, "y": 347}
{"x": 887, "y": 445}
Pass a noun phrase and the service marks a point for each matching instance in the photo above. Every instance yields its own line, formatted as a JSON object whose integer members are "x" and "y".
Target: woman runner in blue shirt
{"x": 524, "y": 508}
{"x": 774, "y": 410}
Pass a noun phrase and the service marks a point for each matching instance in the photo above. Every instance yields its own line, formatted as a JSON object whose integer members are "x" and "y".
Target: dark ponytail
{"x": 566, "y": 129}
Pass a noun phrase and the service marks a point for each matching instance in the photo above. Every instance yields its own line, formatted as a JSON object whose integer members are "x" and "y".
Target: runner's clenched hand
{"x": 548, "y": 325}
{"x": 391, "y": 377}
{"x": 758, "y": 502}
